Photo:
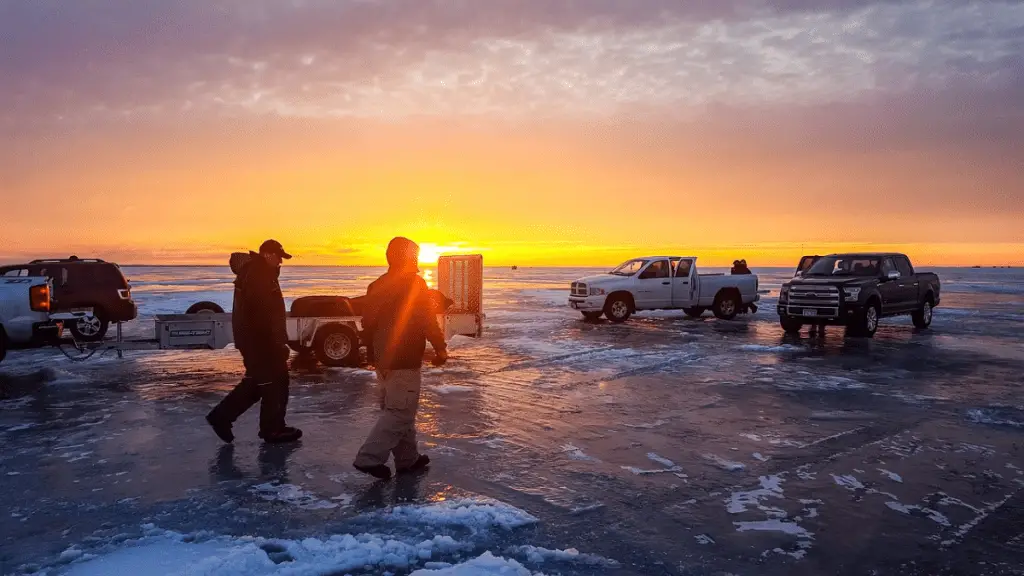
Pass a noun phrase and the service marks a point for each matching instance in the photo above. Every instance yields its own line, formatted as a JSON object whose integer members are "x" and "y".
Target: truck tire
{"x": 726, "y": 306}
{"x": 694, "y": 311}
{"x": 790, "y": 325}
{"x": 923, "y": 318}
{"x": 336, "y": 345}
{"x": 205, "y": 307}
{"x": 618, "y": 308}
{"x": 90, "y": 328}
{"x": 866, "y": 322}
{"x": 592, "y": 316}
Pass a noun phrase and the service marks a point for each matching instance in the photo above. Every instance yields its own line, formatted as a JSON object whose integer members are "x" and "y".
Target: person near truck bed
{"x": 740, "y": 267}
{"x": 398, "y": 318}
{"x": 258, "y": 323}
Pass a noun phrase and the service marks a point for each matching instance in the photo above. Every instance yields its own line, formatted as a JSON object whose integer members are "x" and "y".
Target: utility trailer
{"x": 333, "y": 340}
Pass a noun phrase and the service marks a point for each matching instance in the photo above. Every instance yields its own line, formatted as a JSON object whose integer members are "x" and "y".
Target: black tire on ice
{"x": 336, "y": 345}
{"x": 726, "y": 306}
{"x": 3, "y": 344}
{"x": 923, "y": 317}
{"x": 866, "y": 322}
{"x": 618, "y": 308}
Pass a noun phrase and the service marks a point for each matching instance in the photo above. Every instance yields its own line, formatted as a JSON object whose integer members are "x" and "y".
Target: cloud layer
{"x": 92, "y": 59}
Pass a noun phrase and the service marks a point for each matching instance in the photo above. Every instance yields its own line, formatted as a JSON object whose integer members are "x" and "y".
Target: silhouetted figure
{"x": 399, "y": 316}
{"x": 261, "y": 336}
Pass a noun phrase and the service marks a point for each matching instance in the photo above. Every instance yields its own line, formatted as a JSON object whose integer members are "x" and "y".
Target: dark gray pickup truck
{"x": 856, "y": 290}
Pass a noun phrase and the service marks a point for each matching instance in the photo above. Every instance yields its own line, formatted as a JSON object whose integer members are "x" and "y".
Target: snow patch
{"x": 477, "y": 514}
{"x": 654, "y": 424}
{"x": 575, "y": 453}
{"x": 758, "y": 456}
{"x": 451, "y": 389}
{"x": 774, "y": 525}
{"x": 663, "y": 461}
{"x": 933, "y": 515}
{"x": 848, "y": 482}
{"x": 725, "y": 464}
{"x": 892, "y": 475}
{"x": 540, "y": 555}
{"x": 642, "y": 472}
{"x": 704, "y": 539}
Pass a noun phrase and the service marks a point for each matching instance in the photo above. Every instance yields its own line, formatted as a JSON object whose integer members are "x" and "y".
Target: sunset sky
{"x": 536, "y": 132}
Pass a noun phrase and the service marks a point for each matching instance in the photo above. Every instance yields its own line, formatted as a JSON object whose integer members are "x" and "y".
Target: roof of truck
{"x": 867, "y": 254}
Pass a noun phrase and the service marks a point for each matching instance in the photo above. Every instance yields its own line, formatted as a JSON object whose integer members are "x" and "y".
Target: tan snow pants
{"x": 395, "y": 430}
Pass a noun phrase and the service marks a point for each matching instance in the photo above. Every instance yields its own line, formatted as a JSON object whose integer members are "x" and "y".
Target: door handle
{"x": 666, "y": 283}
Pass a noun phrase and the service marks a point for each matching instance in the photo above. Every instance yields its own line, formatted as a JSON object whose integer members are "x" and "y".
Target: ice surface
{"x": 539, "y": 555}
{"x": 291, "y": 494}
{"x": 771, "y": 487}
{"x": 773, "y": 525}
{"x": 642, "y": 472}
{"x": 766, "y": 348}
{"x": 575, "y": 453}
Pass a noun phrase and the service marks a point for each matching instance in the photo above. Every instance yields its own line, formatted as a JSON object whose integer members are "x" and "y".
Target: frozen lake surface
{"x": 665, "y": 445}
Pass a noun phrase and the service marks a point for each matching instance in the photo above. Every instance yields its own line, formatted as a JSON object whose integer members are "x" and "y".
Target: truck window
{"x": 657, "y": 269}
{"x": 629, "y": 268}
{"x": 903, "y": 265}
{"x": 15, "y": 272}
{"x": 683, "y": 268}
{"x": 888, "y": 266}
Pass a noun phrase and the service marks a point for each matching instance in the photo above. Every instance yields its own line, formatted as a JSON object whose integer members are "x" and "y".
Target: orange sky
{"x": 566, "y": 159}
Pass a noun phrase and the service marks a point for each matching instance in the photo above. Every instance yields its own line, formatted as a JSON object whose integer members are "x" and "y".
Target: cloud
{"x": 101, "y": 61}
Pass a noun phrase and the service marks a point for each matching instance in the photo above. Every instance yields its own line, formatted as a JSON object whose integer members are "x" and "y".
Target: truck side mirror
{"x": 892, "y": 275}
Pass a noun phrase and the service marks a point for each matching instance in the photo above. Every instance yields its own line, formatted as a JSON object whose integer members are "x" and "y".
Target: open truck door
{"x": 805, "y": 263}
{"x": 461, "y": 279}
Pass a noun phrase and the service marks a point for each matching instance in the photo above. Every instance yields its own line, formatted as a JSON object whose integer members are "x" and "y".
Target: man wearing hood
{"x": 261, "y": 336}
{"x": 398, "y": 319}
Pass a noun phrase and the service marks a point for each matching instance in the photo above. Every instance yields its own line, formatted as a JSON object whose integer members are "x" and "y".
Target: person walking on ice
{"x": 398, "y": 320}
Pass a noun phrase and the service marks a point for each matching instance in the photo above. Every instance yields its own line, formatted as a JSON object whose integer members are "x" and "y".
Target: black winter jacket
{"x": 258, "y": 314}
{"x": 399, "y": 317}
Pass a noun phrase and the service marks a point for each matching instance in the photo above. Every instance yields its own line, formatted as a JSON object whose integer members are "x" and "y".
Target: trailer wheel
{"x": 205, "y": 308}
{"x": 336, "y": 345}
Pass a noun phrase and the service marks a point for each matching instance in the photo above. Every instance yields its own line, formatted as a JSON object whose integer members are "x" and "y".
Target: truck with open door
{"x": 333, "y": 340}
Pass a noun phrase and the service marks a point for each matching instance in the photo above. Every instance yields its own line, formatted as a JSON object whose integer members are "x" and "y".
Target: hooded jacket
{"x": 399, "y": 314}
{"x": 258, "y": 313}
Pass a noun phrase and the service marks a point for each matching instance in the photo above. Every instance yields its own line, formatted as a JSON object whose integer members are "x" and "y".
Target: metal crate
{"x": 194, "y": 331}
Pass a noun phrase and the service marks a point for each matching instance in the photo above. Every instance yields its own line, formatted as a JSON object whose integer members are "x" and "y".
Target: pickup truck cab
{"x": 25, "y": 313}
{"x": 662, "y": 283}
{"x": 856, "y": 290}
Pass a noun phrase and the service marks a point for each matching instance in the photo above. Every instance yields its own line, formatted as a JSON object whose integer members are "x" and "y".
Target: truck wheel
{"x": 923, "y": 318}
{"x": 592, "y": 316}
{"x": 336, "y": 345}
{"x": 694, "y": 311}
{"x": 205, "y": 307}
{"x": 790, "y": 325}
{"x": 89, "y": 328}
{"x": 617, "y": 309}
{"x": 866, "y": 323}
{"x": 726, "y": 306}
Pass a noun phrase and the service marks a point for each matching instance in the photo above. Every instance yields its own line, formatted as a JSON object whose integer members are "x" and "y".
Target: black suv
{"x": 84, "y": 283}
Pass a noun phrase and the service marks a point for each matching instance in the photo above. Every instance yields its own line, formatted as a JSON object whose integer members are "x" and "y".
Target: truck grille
{"x": 578, "y": 289}
{"x": 824, "y": 299}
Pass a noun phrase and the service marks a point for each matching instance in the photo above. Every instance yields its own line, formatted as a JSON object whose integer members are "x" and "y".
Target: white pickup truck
{"x": 662, "y": 283}
{"x": 25, "y": 312}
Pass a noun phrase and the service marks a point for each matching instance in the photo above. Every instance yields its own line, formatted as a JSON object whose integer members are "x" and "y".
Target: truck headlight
{"x": 784, "y": 293}
{"x": 596, "y": 291}
{"x": 852, "y": 293}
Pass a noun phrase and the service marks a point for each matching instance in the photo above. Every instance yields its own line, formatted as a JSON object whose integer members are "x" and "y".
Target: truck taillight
{"x": 125, "y": 293}
{"x": 39, "y": 298}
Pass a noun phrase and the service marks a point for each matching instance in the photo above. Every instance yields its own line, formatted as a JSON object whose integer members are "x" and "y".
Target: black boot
{"x": 379, "y": 471}
{"x": 222, "y": 429}
{"x": 420, "y": 464}
{"x": 282, "y": 436}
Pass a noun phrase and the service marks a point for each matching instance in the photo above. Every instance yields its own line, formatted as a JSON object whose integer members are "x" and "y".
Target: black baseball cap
{"x": 274, "y": 247}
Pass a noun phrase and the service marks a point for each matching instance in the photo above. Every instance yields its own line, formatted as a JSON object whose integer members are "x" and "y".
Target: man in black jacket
{"x": 260, "y": 333}
{"x": 399, "y": 318}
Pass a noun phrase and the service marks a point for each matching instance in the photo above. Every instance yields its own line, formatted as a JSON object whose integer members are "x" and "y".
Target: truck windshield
{"x": 845, "y": 266}
{"x": 629, "y": 268}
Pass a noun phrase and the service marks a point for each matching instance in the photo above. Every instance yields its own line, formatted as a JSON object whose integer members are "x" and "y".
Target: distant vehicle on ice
{"x": 662, "y": 283}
